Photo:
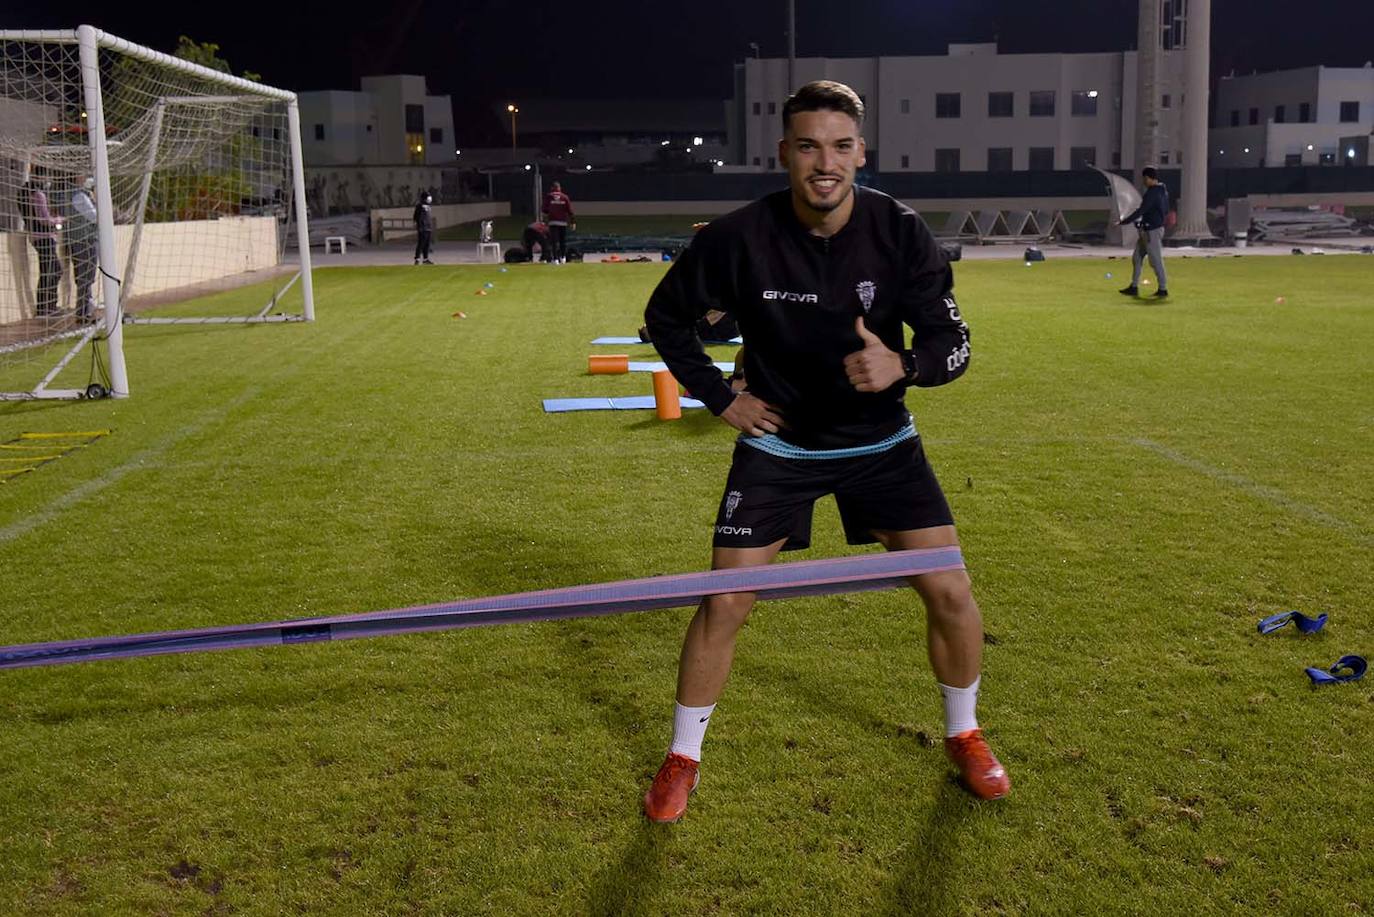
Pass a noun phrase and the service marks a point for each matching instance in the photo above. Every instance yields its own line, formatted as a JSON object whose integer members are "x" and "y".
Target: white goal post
{"x": 129, "y": 177}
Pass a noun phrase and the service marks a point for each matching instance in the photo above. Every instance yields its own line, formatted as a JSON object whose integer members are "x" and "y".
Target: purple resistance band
{"x": 812, "y": 577}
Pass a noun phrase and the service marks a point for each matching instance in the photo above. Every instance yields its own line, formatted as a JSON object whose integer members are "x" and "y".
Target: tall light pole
{"x": 513, "y": 112}
{"x": 1192, "y": 205}
{"x": 791, "y": 46}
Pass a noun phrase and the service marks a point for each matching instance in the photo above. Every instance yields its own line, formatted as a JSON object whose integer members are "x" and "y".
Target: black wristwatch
{"x": 909, "y": 366}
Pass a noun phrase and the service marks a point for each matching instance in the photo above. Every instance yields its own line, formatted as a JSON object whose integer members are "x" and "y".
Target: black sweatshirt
{"x": 1153, "y": 209}
{"x": 796, "y": 297}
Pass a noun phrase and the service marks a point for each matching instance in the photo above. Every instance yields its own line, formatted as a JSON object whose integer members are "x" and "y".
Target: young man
{"x": 424, "y": 227}
{"x": 536, "y": 233}
{"x": 821, "y": 278}
{"x": 82, "y": 238}
{"x": 558, "y": 213}
{"x": 1149, "y": 220}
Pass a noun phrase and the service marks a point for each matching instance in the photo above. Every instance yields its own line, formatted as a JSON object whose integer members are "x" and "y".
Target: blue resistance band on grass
{"x": 1304, "y": 623}
{"x": 1338, "y": 672}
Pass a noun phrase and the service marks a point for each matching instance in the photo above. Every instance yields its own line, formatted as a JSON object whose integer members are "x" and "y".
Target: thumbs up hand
{"x": 874, "y": 368}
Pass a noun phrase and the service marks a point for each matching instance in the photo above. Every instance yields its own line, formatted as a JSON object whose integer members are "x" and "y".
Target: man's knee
{"x": 721, "y": 616}
{"x": 947, "y": 595}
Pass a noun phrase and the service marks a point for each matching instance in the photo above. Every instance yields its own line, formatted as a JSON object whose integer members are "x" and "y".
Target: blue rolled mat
{"x": 632, "y": 403}
{"x": 635, "y": 340}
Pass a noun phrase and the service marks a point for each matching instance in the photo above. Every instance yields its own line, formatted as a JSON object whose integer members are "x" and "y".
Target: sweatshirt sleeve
{"x": 696, "y": 283}
{"x": 940, "y": 337}
{"x": 81, "y": 201}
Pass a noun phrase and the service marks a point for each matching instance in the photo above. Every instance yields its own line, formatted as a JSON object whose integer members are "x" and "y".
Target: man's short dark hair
{"x": 824, "y": 95}
{"x": 1149, "y": 172}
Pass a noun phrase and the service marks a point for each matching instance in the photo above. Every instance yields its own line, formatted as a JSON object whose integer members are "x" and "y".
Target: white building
{"x": 392, "y": 121}
{"x": 1310, "y": 116}
{"x": 973, "y": 109}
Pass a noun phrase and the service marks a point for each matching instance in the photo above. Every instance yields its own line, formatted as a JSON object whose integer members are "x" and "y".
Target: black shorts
{"x": 768, "y": 498}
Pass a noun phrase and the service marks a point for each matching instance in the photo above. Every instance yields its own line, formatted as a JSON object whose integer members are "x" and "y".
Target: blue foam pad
{"x": 615, "y": 340}
{"x": 632, "y": 403}
{"x": 655, "y": 367}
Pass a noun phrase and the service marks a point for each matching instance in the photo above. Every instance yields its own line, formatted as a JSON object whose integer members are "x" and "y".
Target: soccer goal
{"x": 128, "y": 179}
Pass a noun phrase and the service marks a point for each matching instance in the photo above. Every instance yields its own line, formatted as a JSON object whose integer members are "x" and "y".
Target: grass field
{"x": 1136, "y": 485}
{"x": 657, "y": 224}
{"x": 662, "y": 224}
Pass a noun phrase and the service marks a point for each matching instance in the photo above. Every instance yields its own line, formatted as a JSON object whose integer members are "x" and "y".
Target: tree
{"x": 207, "y": 55}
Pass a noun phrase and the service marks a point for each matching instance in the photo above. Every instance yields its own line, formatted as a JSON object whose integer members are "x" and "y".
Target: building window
{"x": 947, "y": 160}
{"x": 1001, "y": 104}
{"x": 436, "y": 135}
{"x": 1164, "y": 158}
{"x": 1041, "y": 159}
{"x": 756, "y": 160}
{"x": 319, "y": 131}
{"x": 1235, "y": 117}
{"x": 947, "y": 105}
{"x": 772, "y": 163}
{"x": 1178, "y": 157}
{"x": 1305, "y": 112}
{"x": 999, "y": 159}
{"x": 905, "y": 106}
{"x": 1116, "y": 157}
{"x": 1083, "y": 103}
{"x": 772, "y": 108}
{"x": 1173, "y": 25}
{"x": 1166, "y": 101}
{"x": 1350, "y": 111}
{"x": 1081, "y": 157}
{"x": 1042, "y": 104}
{"x": 415, "y": 119}
{"x": 1254, "y": 116}
{"x": 1278, "y": 114}
{"x": 369, "y": 128}
{"x": 1327, "y": 159}
{"x": 758, "y": 109}
{"x": 906, "y": 162}
{"x": 1292, "y": 159}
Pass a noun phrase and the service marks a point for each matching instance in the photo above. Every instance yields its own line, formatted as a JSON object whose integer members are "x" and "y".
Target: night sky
{"x": 483, "y": 51}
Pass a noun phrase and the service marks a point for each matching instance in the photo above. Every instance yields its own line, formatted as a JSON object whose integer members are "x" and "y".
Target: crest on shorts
{"x": 731, "y": 502}
{"x": 866, "y": 289}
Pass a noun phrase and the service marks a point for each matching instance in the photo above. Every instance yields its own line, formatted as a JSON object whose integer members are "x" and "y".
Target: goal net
{"x": 131, "y": 179}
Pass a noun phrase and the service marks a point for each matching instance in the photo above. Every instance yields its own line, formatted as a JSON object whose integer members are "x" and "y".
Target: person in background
{"x": 1149, "y": 220}
{"x": 537, "y": 233}
{"x": 424, "y": 227}
{"x": 558, "y": 213}
{"x": 42, "y": 225}
{"x": 82, "y": 235}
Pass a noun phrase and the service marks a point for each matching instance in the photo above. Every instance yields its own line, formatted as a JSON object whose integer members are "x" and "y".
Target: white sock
{"x": 689, "y": 728}
{"x": 959, "y": 708}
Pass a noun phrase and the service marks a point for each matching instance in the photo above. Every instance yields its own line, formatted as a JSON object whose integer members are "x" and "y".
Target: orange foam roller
{"x": 666, "y": 400}
{"x": 608, "y": 363}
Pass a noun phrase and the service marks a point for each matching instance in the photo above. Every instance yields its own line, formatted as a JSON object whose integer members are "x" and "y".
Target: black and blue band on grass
{"x": 830, "y": 576}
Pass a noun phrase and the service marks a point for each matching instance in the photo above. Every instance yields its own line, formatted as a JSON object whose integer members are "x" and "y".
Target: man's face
{"x": 821, "y": 150}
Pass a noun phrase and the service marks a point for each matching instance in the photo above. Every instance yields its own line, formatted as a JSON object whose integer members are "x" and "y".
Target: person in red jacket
{"x": 558, "y": 213}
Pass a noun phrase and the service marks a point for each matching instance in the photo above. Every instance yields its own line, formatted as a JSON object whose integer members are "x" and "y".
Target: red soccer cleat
{"x": 983, "y": 775}
{"x": 666, "y": 800}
